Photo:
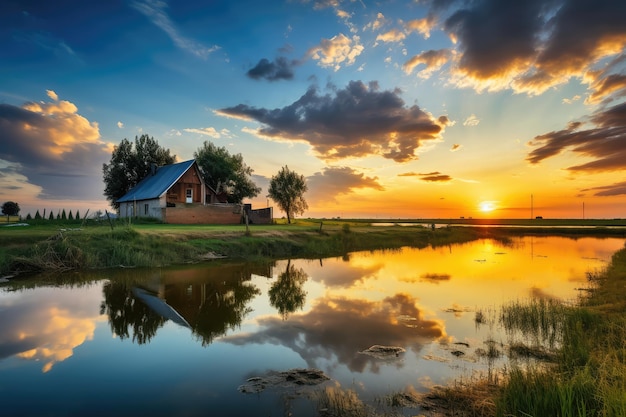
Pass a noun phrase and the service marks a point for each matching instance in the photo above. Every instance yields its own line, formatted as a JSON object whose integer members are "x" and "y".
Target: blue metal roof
{"x": 153, "y": 186}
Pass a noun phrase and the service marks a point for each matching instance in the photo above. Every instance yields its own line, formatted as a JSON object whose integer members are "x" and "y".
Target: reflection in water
{"x": 286, "y": 293}
{"x": 341, "y": 327}
{"x": 438, "y": 304}
{"x": 127, "y": 312}
{"x": 46, "y": 326}
{"x": 211, "y": 301}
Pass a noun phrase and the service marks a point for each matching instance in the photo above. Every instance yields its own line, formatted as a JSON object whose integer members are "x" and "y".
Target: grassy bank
{"x": 64, "y": 245}
{"x": 566, "y": 360}
{"x": 82, "y": 245}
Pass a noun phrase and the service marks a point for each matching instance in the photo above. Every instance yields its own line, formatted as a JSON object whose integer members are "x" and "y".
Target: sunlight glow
{"x": 487, "y": 206}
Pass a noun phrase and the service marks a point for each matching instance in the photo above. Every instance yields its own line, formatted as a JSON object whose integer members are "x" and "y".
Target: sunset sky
{"x": 390, "y": 109}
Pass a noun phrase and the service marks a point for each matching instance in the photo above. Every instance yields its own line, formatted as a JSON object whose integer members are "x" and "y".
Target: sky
{"x": 389, "y": 109}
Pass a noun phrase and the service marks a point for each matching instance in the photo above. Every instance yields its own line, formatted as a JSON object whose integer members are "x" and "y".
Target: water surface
{"x": 183, "y": 341}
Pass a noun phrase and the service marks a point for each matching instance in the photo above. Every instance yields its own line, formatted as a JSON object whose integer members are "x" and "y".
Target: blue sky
{"x": 434, "y": 108}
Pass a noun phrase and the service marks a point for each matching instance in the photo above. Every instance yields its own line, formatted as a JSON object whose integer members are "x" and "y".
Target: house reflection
{"x": 212, "y": 300}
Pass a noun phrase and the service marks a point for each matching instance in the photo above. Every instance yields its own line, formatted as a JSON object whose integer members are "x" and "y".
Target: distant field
{"x": 503, "y": 222}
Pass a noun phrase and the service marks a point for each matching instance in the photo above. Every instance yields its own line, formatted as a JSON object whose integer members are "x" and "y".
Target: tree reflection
{"x": 125, "y": 312}
{"x": 223, "y": 309}
{"x": 286, "y": 293}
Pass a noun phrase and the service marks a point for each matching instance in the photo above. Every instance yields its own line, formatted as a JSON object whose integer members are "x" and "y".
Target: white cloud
{"x": 472, "y": 120}
{"x": 120, "y": 125}
{"x": 207, "y": 131}
{"x": 52, "y": 95}
{"x": 336, "y": 51}
{"x": 155, "y": 11}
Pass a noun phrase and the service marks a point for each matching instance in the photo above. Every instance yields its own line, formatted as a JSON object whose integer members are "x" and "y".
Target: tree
{"x": 226, "y": 173}
{"x": 10, "y": 208}
{"x": 129, "y": 165}
{"x": 287, "y": 189}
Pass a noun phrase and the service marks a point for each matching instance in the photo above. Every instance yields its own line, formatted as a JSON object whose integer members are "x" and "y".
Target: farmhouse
{"x": 177, "y": 193}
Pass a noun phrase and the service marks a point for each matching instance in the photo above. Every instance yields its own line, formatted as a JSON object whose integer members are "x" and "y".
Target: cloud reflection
{"x": 45, "y": 327}
{"x": 339, "y": 327}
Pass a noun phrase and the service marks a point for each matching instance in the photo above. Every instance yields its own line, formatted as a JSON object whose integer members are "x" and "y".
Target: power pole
{"x": 531, "y": 207}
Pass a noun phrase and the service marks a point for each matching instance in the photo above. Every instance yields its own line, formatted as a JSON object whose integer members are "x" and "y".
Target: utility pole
{"x": 531, "y": 207}
{"x": 583, "y": 210}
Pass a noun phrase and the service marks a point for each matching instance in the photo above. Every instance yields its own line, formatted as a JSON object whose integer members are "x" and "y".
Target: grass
{"x": 66, "y": 245}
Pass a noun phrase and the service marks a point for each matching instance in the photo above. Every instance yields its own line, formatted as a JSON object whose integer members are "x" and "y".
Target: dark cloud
{"x": 356, "y": 121}
{"x": 281, "y": 69}
{"x": 608, "y": 190}
{"x": 55, "y": 148}
{"x": 333, "y": 181}
{"x": 430, "y": 177}
{"x": 495, "y": 35}
{"x": 605, "y": 143}
{"x": 342, "y": 327}
{"x": 530, "y": 45}
{"x": 579, "y": 32}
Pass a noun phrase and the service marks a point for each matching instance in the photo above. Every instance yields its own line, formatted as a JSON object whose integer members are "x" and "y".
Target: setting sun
{"x": 487, "y": 206}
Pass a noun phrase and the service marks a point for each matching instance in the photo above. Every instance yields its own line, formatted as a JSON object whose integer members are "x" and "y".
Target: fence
{"x": 9, "y": 219}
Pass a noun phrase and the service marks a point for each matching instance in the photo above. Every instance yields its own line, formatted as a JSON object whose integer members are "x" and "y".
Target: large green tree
{"x": 10, "y": 208}
{"x": 226, "y": 173}
{"x": 287, "y": 189}
{"x": 130, "y": 163}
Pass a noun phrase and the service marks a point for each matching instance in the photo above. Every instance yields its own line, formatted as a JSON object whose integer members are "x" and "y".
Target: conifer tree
{"x": 63, "y": 216}
{"x": 51, "y": 216}
{"x": 37, "y": 215}
{"x": 77, "y": 215}
{"x": 69, "y": 216}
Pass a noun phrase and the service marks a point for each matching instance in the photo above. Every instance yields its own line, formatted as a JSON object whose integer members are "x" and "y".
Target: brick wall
{"x": 209, "y": 214}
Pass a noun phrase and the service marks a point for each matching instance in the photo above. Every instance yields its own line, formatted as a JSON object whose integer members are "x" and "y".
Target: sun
{"x": 487, "y": 206}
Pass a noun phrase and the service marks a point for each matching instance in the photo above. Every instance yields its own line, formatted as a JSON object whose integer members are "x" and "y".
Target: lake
{"x": 227, "y": 338}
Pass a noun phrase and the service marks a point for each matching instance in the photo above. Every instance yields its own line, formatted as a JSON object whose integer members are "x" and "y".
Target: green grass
{"x": 588, "y": 375}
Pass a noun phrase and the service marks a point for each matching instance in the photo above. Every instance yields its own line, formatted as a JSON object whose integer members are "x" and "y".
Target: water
{"x": 183, "y": 341}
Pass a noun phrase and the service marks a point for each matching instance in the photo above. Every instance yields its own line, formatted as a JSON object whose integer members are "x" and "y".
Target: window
{"x": 145, "y": 209}
{"x": 189, "y": 195}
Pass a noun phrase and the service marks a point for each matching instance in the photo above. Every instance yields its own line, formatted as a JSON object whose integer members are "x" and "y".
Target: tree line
{"x": 225, "y": 173}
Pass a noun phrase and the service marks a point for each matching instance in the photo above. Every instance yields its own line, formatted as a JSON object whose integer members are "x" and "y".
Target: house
{"x": 164, "y": 187}
{"x": 177, "y": 194}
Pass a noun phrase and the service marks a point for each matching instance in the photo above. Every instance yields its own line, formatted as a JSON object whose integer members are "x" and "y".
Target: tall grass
{"x": 588, "y": 377}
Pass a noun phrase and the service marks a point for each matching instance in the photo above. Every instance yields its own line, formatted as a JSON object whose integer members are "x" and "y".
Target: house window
{"x": 145, "y": 209}
{"x": 189, "y": 196}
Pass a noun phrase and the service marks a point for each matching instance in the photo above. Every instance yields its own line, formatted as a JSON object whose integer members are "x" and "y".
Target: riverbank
{"x": 574, "y": 363}
{"x": 61, "y": 246}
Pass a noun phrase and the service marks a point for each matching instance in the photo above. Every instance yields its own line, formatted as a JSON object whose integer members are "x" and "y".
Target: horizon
{"x": 427, "y": 109}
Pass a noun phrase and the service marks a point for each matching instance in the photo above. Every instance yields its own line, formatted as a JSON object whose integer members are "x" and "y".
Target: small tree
{"x": 10, "y": 208}
{"x": 37, "y": 215}
{"x": 77, "y": 215}
{"x": 69, "y": 216}
{"x": 287, "y": 189}
{"x": 63, "y": 216}
{"x": 51, "y": 217}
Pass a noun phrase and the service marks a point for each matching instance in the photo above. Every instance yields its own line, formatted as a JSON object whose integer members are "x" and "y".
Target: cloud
{"x": 349, "y": 326}
{"x": 428, "y": 177}
{"x": 571, "y": 100}
{"x": 207, "y": 131}
{"x": 155, "y": 11}
{"x": 280, "y": 69}
{"x": 433, "y": 60}
{"x": 52, "y": 95}
{"x": 472, "y": 120}
{"x": 334, "y": 181}
{"x": 604, "y": 143}
{"x": 421, "y": 26}
{"x": 357, "y": 121}
{"x": 120, "y": 125}
{"x": 529, "y": 46}
{"x": 336, "y": 51}
{"x": 608, "y": 190}
{"x": 56, "y": 148}
{"x": 455, "y": 147}
{"x": 394, "y": 35}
